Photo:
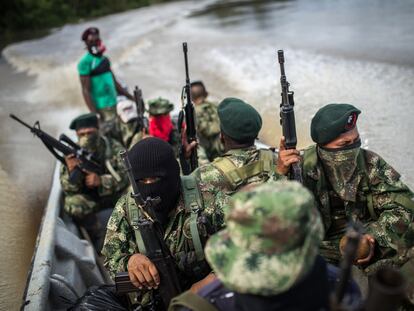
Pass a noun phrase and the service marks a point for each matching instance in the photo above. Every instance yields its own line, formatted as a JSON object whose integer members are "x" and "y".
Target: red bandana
{"x": 161, "y": 126}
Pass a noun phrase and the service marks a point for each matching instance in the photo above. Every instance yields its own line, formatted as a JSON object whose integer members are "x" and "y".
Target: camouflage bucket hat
{"x": 160, "y": 106}
{"x": 271, "y": 240}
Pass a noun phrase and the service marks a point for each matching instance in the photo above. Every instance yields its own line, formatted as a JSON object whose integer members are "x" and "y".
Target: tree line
{"x": 21, "y": 15}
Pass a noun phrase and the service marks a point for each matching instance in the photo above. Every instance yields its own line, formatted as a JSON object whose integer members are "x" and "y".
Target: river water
{"x": 360, "y": 52}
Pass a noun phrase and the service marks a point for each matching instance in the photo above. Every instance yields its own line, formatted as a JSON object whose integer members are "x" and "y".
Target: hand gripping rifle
{"x": 154, "y": 246}
{"x": 188, "y": 112}
{"x": 387, "y": 286}
{"x": 65, "y": 146}
{"x": 353, "y": 234}
{"x": 287, "y": 117}
{"x": 139, "y": 101}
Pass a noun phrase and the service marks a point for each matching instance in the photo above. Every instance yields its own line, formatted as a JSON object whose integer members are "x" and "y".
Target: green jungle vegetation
{"x": 23, "y": 19}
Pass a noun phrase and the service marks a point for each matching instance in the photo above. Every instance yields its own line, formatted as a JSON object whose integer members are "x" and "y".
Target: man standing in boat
{"x": 91, "y": 198}
{"x": 351, "y": 183}
{"x": 99, "y": 85}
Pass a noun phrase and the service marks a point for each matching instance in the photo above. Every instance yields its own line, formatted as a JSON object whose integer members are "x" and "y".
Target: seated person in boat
{"x": 242, "y": 163}
{"x": 208, "y": 123}
{"x": 161, "y": 124}
{"x": 127, "y": 128}
{"x": 267, "y": 257}
{"x": 352, "y": 183}
{"x": 99, "y": 85}
{"x": 186, "y": 215}
{"x": 90, "y": 198}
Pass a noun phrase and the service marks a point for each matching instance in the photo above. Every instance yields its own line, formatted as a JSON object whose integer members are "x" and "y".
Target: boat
{"x": 64, "y": 262}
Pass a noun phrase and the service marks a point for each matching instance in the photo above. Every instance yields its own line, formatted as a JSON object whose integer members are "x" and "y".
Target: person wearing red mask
{"x": 99, "y": 85}
{"x": 160, "y": 123}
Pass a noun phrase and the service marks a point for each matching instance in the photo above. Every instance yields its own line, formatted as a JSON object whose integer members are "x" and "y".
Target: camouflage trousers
{"x": 107, "y": 119}
{"x": 93, "y": 215}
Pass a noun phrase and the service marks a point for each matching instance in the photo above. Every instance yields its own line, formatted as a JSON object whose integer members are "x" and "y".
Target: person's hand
{"x": 92, "y": 180}
{"x": 200, "y": 284}
{"x": 71, "y": 162}
{"x": 286, "y": 158}
{"x": 369, "y": 241}
{"x": 143, "y": 272}
{"x": 187, "y": 147}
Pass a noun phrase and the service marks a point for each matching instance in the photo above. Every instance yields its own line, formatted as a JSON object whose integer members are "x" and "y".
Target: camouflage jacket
{"x": 215, "y": 184}
{"x": 384, "y": 205}
{"x": 128, "y": 134}
{"x": 208, "y": 129}
{"x": 108, "y": 150}
{"x": 121, "y": 243}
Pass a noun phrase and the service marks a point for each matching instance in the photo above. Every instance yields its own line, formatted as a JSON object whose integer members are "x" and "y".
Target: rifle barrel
{"x": 20, "y": 121}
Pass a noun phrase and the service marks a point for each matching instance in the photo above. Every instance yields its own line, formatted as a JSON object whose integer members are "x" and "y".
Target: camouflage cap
{"x": 331, "y": 121}
{"x": 271, "y": 240}
{"x": 160, "y": 106}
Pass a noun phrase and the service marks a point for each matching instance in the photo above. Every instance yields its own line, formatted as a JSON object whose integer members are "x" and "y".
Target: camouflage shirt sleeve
{"x": 109, "y": 184}
{"x": 393, "y": 204}
{"x": 119, "y": 242}
{"x": 68, "y": 187}
{"x": 212, "y": 186}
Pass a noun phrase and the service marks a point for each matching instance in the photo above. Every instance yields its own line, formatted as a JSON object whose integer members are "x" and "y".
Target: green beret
{"x": 84, "y": 120}
{"x": 160, "y": 106}
{"x": 331, "y": 121}
{"x": 239, "y": 120}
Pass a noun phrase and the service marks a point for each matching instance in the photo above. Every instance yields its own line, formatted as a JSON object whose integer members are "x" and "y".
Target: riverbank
{"x": 30, "y": 19}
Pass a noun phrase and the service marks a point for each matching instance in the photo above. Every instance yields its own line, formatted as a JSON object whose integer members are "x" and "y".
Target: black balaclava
{"x": 153, "y": 157}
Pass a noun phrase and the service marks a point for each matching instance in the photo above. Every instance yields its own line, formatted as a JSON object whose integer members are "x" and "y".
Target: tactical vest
{"x": 238, "y": 176}
{"x": 193, "y": 204}
{"x": 310, "y": 162}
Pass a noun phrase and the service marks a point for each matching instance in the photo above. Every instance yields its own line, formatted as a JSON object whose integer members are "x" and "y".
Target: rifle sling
{"x": 133, "y": 214}
{"x": 193, "y": 204}
{"x": 52, "y": 150}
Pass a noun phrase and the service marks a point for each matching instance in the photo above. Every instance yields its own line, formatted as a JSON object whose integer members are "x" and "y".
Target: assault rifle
{"x": 353, "y": 235}
{"x": 141, "y": 109}
{"x": 188, "y": 113}
{"x": 154, "y": 246}
{"x": 287, "y": 117}
{"x": 386, "y": 290}
{"x": 65, "y": 146}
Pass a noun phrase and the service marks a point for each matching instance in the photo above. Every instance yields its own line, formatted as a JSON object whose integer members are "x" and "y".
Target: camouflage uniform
{"x": 81, "y": 201}
{"x": 121, "y": 242}
{"x": 218, "y": 187}
{"x": 267, "y": 253}
{"x": 128, "y": 134}
{"x": 383, "y": 204}
{"x": 208, "y": 129}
